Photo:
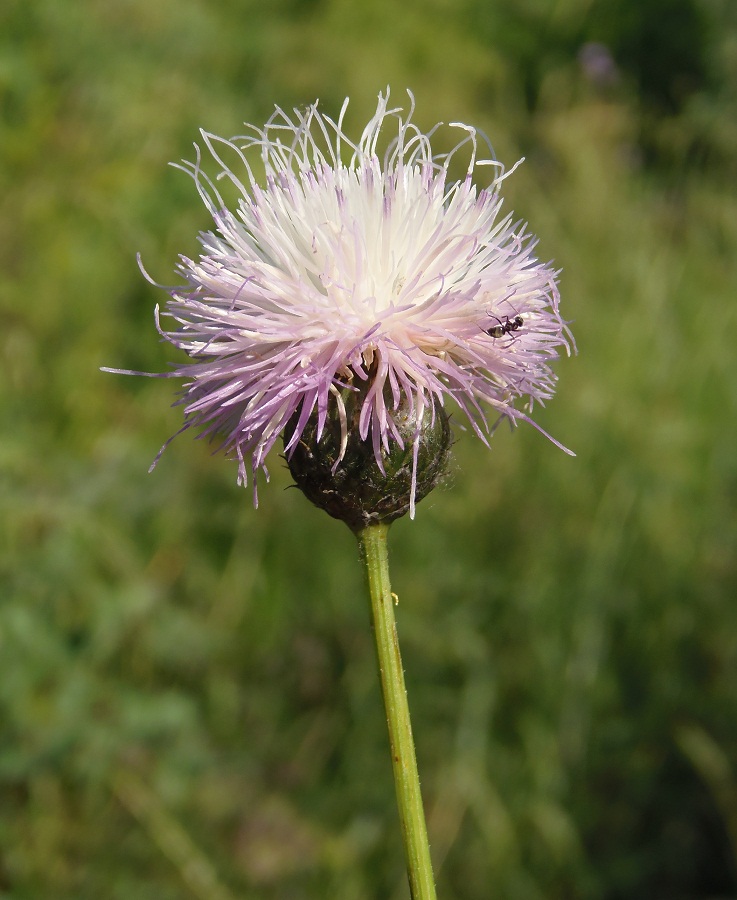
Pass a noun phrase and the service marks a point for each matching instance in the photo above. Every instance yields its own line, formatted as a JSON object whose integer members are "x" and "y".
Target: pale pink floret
{"x": 346, "y": 264}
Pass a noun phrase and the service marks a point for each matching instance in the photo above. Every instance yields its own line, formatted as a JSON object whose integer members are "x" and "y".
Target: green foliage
{"x": 188, "y": 698}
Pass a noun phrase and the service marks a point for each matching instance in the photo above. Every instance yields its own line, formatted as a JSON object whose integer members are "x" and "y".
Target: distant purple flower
{"x": 598, "y": 64}
{"x": 347, "y": 266}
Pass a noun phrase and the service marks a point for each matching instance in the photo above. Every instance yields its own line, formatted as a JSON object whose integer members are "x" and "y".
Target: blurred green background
{"x": 189, "y": 705}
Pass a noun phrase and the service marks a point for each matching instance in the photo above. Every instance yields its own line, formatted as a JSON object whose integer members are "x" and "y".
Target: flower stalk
{"x": 373, "y": 543}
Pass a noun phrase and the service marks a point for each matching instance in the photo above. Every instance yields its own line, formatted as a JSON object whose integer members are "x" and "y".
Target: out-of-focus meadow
{"x": 189, "y": 703}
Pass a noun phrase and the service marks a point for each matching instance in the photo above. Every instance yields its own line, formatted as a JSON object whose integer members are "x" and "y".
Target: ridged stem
{"x": 373, "y": 543}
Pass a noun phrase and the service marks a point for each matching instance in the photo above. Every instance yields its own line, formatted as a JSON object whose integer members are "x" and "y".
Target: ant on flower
{"x": 505, "y": 327}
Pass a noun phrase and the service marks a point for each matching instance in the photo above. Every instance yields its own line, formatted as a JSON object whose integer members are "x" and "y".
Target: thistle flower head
{"x": 347, "y": 267}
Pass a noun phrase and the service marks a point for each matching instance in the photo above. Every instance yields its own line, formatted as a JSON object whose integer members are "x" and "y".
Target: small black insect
{"x": 509, "y": 325}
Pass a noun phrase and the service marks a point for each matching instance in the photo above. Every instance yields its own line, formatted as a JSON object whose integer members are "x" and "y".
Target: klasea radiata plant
{"x": 351, "y": 297}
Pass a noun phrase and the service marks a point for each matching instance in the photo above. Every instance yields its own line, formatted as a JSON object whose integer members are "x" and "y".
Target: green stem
{"x": 373, "y": 543}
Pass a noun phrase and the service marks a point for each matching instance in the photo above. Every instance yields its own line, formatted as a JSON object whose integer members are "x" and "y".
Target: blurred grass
{"x": 189, "y": 703}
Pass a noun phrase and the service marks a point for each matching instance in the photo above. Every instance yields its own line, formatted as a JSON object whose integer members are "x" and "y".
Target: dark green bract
{"x": 358, "y": 492}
